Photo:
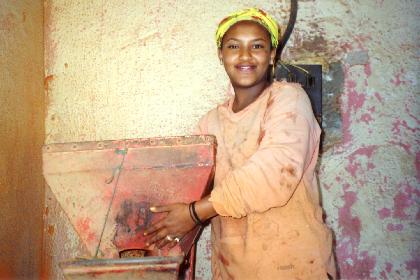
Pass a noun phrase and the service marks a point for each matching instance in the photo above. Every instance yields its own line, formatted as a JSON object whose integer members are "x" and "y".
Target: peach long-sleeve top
{"x": 265, "y": 190}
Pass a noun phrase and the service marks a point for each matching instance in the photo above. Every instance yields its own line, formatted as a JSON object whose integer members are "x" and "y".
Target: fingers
{"x": 159, "y": 234}
{"x": 164, "y": 241}
{"x": 160, "y": 209}
{"x": 157, "y": 237}
{"x": 162, "y": 238}
{"x": 175, "y": 223}
{"x": 175, "y": 241}
{"x": 168, "y": 241}
{"x": 155, "y": 227}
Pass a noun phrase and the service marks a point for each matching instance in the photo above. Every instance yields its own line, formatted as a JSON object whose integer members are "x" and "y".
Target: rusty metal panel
{"x": 106, "y": 188}
{"x": 153, "y": 268}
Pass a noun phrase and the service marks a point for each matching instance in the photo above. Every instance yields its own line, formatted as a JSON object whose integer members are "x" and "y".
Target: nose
{"x": 244, "y": 53}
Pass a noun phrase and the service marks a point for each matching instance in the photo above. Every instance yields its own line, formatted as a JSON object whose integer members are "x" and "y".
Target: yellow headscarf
{"x": 252, "y": 14}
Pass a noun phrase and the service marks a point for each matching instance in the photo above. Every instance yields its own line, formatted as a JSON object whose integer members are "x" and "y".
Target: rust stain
{"x": 51, "y": 230}
{"x": 317, "y": 44}
{"x": 47, "y": 81}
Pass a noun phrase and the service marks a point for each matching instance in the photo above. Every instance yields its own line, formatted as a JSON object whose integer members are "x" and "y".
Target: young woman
{"x": 264, "y": 207}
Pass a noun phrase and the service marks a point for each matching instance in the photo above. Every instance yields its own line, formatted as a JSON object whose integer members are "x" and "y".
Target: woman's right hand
{"x": 172, "y": 227}
{"x": 177, "y": 222}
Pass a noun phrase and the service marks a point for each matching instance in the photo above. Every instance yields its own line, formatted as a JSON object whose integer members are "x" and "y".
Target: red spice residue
{"x": 351, "y": 225}
{"x": 354, "y": 164}
{"x": 403, "y": 200}
{"x": 397, "y": 124}
{"x": 405, "y": 146}
{"x": 394, "y": 227}
{"x": 355, "y": 99}
{"x": 397, "y": 79}
{"x": 260, "y": 138}
{"x": 361, "y": 264}
{"x": 379, "y": 97}
{"x": 83, "y": 227}
{"x": 292, "y": 116}
{"x": 384, "y": 213}
{"x": 413, "y": 264}
{"x": 289, "y": 169}
{"x": 368, "y": 70}
{"x": 366, "y": 118}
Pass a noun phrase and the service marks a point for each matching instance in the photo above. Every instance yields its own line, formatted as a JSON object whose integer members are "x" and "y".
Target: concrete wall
{"x": 21, "y": 137}
{"x": 126, "y": 69}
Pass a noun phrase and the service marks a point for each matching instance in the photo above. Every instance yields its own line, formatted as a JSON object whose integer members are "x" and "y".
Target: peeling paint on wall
{"x": 139, "y": 69}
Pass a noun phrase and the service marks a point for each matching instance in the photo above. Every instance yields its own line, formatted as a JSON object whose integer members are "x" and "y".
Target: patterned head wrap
{"x": 252, "y": 14}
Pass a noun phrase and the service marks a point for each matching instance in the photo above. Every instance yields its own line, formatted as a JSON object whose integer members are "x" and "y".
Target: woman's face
{"x": 246, "y": 53}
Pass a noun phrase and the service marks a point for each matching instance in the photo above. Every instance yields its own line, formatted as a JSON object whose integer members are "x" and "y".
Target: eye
{"x": 232, "y": 46}
{"x": 258, "y": 46}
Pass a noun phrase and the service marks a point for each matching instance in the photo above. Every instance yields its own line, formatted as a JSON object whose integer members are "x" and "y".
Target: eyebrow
{"x": 258, "y": 39}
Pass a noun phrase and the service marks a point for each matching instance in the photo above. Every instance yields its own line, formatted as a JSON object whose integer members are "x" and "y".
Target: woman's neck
{"x": 245, "y": 96}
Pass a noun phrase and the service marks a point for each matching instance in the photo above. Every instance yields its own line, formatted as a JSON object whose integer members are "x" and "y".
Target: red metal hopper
{"x": 106, "y": 188}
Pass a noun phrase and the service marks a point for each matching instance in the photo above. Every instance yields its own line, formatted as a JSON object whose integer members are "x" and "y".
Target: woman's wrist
{"x": 194, "y": 215}
{"x": 204, "y": 209}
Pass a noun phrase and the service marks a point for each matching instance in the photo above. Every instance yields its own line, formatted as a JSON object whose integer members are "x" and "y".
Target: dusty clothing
{"x": 265, "y": 192}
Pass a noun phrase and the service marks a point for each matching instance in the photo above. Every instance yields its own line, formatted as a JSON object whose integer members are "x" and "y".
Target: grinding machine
{"x": 106, "y": 189}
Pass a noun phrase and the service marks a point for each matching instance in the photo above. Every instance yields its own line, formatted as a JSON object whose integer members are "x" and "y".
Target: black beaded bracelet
{"x": 194, "y": 215}
{"x": 191, "y": 213}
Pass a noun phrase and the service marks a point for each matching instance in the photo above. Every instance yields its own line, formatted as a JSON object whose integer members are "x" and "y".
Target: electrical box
{"x": 310, "y": 77}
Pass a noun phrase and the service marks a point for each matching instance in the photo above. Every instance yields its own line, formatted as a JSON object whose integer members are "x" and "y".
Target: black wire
{"x": 289, "y": 29}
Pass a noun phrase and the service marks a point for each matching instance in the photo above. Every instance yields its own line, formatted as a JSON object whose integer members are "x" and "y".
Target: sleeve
{"x": 270, "y": 176}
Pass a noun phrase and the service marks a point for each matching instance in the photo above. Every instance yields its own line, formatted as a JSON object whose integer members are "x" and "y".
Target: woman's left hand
{"x": 175, "y": 225}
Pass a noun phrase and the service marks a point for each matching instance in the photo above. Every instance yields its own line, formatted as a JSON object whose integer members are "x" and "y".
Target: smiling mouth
{"x": 245, "y": 68}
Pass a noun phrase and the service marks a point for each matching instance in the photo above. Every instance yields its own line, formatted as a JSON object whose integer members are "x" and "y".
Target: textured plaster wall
{"x": 126, "y": 69}
{"x": 21, "y": 137}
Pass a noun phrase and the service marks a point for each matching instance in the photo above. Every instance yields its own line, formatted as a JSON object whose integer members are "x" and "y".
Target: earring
{"x": 221, "y": 61}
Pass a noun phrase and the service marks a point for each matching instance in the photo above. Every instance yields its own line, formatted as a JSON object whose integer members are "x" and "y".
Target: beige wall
{"x": 21, "y": 137}
{"x": 126, "y": 69}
